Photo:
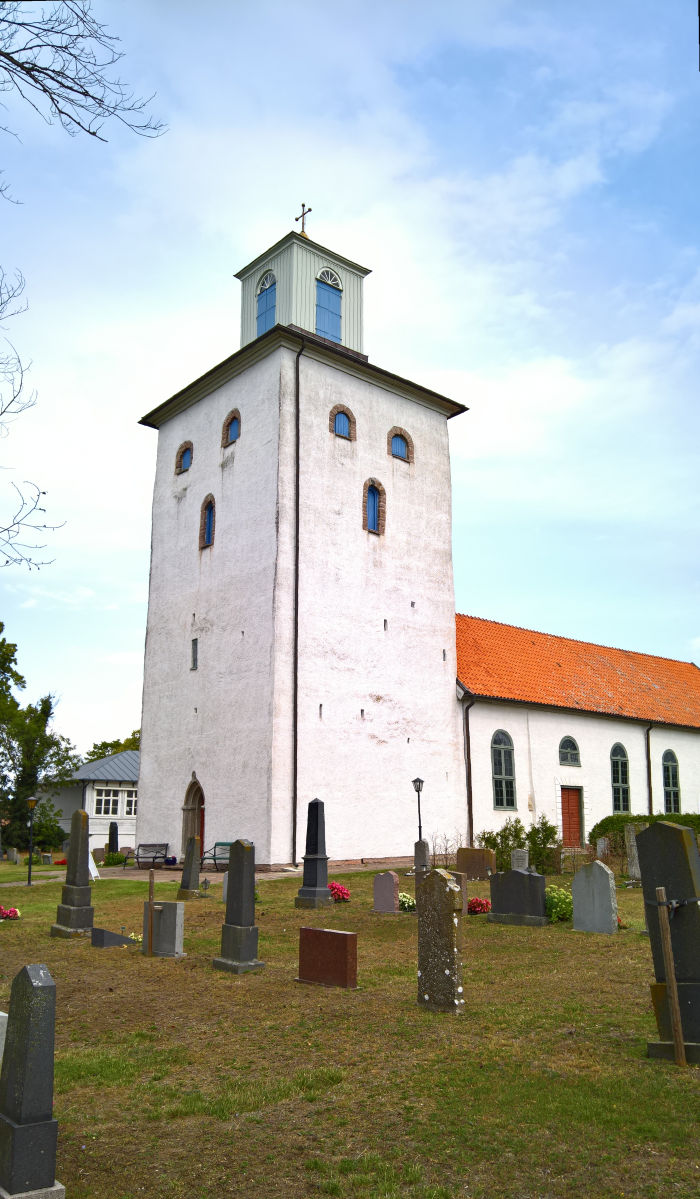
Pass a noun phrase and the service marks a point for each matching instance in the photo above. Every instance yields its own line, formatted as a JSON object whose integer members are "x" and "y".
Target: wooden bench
{"x": 218, "y": 855}
{"x": 148, "y": 854}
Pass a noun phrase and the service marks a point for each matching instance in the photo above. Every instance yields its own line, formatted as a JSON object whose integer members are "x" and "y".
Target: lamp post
{"x": 31, "y": 804}
{"x": 418, "y": 787}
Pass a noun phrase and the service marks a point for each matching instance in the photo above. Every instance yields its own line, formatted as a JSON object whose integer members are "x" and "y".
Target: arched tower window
{"x": 620, "y": 777}
{"x": 374, "y": 507}
{"x": 183, "y": 458}
{"x": 399, "y": 444}
{"x": 231, "y": 429}
{"x": 672, "y": 789}
{"x": 569, "y": 754}
{"x": 329, "y": 296}
{"x": 342, "y": 422}
{"x": 267, "y": 300}
{"x": 503, "y": 769}
{"x": 207, "y": 523}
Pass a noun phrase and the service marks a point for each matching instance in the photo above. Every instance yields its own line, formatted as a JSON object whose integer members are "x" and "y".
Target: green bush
{"x": 510, "y": 836}
{"x": 541, "y": 840}
{"x": 559, "y": 903}
{"x": 114, "y": 859}
{"x": 613, "y": 827}
{"x": 36, "y": 860}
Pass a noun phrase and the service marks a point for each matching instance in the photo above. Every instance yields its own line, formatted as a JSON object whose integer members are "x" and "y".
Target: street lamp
{"x": 418, "y": 787}
{"x": 31, "y": 804}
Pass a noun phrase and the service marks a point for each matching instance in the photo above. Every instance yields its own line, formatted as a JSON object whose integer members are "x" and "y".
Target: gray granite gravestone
{"x": 113, "y": 839}
{"x": 189, "y": 883}
{"x": 168, "y": 929}
{"x": 631, "y": 831}
{"x": 386, "y": 891}
{"x": 74, "y": 914}
{"x": 519, "y": 859}
{"x": 602, "y": 847}
{"x": 439, "y": 907}
{"x": 595, "y": 901}
{"x": 421, "y": 859}
{"x": 668, "y": 857}
{"x": 517, "y": 897}
{"x": 314, "y": 892}
{"x": 28, "y": 1132}
{"x": 47, "y": 859}
{"x": 239, "y": 935}
{"x": 13, "y": 855}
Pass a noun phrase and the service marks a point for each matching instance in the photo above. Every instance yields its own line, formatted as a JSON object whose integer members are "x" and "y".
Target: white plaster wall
{"x": 539, "y": 777}
{"x": 351, "y": 583}
{"x": 215, "y": 721}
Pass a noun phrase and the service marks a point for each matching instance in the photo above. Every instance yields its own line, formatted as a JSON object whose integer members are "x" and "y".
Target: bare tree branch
{"x": 26, "y": 519}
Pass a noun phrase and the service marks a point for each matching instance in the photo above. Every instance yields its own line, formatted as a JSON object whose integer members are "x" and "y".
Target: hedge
{"x": 613, "y": 827}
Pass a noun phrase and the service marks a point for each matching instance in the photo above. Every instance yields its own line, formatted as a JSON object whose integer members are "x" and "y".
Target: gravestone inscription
{"x": 595, "y": 900}
{"x": 439, "y": 907}
{"x": 519, "y": 859}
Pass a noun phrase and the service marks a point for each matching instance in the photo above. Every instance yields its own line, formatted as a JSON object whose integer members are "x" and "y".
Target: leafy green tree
{"x": 48, "y": 833}
{"x": 104, "y": 749}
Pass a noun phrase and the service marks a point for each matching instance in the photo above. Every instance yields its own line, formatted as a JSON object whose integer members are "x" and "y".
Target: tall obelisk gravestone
{"x": 668, "y": 857}
{"x": 74, "y": 914}
{"x": 239, "y": 936}
{"x": 28, "y": 1132}
{"x": 439, "y": 907}
{"x": 314, "y": 892}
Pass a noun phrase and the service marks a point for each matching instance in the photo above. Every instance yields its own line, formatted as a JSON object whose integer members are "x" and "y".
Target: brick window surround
{"x": 381, "y": 521}
{"x": 352, "y": 435}
{"x": 234, "y": 414}
{"x": 397, "y": 432}
{"x": 179, "y": 469}
{"x": 203, "y": 543}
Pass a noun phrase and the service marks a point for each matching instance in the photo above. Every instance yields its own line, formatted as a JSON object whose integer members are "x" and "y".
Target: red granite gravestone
{"x": 327, "y": 958}
{"x": 476, "y": 863}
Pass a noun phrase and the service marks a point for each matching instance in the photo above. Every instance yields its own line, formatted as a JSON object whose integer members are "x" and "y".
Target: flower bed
{"x": 9, "y": 913}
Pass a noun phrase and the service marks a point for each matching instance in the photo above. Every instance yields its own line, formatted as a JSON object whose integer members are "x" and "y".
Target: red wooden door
{"x": 571, "y": 817}
{"x": 201, "y": 827}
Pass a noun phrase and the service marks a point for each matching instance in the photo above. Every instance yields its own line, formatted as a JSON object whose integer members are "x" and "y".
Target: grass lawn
{"x": 175, "y": 1079}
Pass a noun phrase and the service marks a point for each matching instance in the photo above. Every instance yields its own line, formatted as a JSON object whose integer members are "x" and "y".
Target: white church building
{"x": 301, "y": 622}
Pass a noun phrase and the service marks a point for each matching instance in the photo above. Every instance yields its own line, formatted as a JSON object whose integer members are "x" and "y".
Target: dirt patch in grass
{"x": 173, "y": 1078}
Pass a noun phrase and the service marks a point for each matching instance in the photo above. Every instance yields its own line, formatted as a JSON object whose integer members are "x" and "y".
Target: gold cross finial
{"x": 302, "y": 217}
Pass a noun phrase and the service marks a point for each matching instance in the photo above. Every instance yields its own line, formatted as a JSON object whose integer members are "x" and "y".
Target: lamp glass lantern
{"x": 418, "y": 787}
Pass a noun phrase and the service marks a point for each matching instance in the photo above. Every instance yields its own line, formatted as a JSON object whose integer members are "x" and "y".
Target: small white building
{"x": 107, "y": 790}
{"x": 301, "y": 625}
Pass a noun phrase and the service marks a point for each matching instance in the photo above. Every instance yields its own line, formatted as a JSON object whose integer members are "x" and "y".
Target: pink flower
{"x": 339, "y": 892}
{"x": 476, "y": 906}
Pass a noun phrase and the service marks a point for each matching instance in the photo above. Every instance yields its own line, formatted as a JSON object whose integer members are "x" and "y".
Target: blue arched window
{"x": 328, "y": 303}
{"x": 183, "y": 458}
{"x": 267, "y": 300}
{"x": 341, "y": 426}
{"x": 373, "y": 509}
{"x": 186, "y": 460}
{"x": 234, "y": 430}
{"x": 399, "y": 447}
{"x": 231, "y": 428}
{"x": 207, "y": 521}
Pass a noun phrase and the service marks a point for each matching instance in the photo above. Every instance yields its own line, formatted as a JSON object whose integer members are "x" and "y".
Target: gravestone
{"x": 668, "y": 857}
{"x": 421, "y": 859}
{"x": 47, "y": 859}
{"x": 239, "y": 935}
{"x": 168, "y": 930}
{"x": 3, "y": 1030}
{"x": 103, "y": 938}
{"x": 633, "y": 870}
{"x": 519, "y": 859}
{"x": 595, "y": 901}
{"x": 602, "y": 847}
{"x": 189, "y": 883}
{"x": 517, "y": 897}
{"x": 13, "y": 855}
{"x": 113, "y": 841}
{"x": 28, "y": 1132}
{"x": 439, "y": 907}
{"x": 327, "y": 958}
{"x": 386, "y": 891}
{"x": 314, "y": 892}
{"x": 476, "y": 863}
{"x": 74, "y": 914}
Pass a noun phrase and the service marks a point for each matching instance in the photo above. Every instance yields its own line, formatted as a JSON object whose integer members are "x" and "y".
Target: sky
{"x": 522, "y": 180}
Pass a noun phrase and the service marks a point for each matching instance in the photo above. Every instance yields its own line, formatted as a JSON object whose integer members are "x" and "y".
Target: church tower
{"x": 301, "y": 623}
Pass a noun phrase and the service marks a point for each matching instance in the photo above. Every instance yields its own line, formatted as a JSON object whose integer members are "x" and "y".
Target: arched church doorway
{"x": 193, "y": 815}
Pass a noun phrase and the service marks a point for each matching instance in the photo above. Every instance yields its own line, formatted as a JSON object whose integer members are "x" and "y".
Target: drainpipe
{"x": 295, "y": 650}
{"x": 468, "y": 762}
{"x": 650, "y": 794}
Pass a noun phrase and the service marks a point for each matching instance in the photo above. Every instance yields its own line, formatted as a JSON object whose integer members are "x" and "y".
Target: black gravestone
{"x": 113, "y": 839}
{"x": 239, "y": 935}
{"x": 75, "y": 914}
{"x": 102, "y": 938}
{"x": 28, "y": 1132}
{"x": 314, "y": 892}
{"x": 668, "y": 857}
{"x": 517, "y": 897}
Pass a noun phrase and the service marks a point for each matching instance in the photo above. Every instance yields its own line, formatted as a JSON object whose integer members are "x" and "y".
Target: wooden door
{"x": 571, "y": 817}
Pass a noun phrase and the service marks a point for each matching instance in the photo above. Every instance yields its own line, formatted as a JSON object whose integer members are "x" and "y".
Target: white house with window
{"x": 107, "y": 790}
{"x": 301, "y": 621}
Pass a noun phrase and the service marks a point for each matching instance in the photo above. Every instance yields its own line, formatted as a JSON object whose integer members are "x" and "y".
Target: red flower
{"x": 339, "y": 892}
{"x": 476, "y": 906}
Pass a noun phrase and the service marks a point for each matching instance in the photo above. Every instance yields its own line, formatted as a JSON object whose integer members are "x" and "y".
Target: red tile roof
{"x": 501, "y": 661}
